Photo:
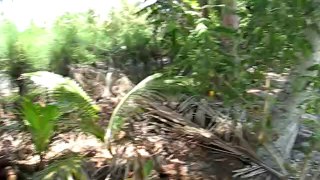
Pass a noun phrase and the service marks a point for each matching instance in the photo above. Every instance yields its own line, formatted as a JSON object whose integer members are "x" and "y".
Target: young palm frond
{"x": 125, "y": 106}
{"x": 70, "y": 97}
{"x": 41, "y": 121}
{"x": 70, "y": 168}
{"x": 155, "y": 87}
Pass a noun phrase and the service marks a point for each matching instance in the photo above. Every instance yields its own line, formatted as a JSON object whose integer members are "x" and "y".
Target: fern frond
{"x": 52, "y": 82}
{"x": 70, "y": 97}
{"x": 118, "y": 117}
{"x": 63, "y": 169}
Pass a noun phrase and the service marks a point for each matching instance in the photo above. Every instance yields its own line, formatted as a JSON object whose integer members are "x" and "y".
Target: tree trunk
{"x": 286, "y": 113}
{"x": 21, "y": 87}
{"x": 205, "y": 10}
{"x": 230, "y": 20}
{"x": 229, "y": 17}
{"x": 107, "y": 89}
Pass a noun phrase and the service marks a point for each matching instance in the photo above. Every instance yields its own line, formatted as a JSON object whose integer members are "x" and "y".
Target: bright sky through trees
{"x": 43, "y": 12}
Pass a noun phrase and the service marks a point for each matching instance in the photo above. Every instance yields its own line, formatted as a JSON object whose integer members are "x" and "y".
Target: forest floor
{"x": 182, "y": 160}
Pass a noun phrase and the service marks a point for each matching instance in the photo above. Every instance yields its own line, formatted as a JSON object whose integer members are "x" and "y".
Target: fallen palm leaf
{"x": 208, "y": 140}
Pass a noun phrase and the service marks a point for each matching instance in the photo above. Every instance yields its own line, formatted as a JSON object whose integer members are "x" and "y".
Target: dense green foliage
{"x": 187, "y": 40}
{"x": 30, "y": 46}
{"x": 191, "y": 35}
{"x": 260, "y": 43}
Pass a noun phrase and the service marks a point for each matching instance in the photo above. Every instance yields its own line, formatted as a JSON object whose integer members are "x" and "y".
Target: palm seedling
{"x": 70, "y": 98}
{"x": 65, "y": 96}
{"x": 40, "y": 121}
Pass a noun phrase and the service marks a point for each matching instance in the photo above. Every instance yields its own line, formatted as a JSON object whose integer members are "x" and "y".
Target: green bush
{"x": 22, "y": 52}
{"x": 131, "y": 40}
{"x": 31, "y": 43}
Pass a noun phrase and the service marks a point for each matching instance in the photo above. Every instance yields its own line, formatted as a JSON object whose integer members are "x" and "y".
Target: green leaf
{"x": 193, "y": 3}
{"x": 41, "y": 78}
{"x": 315, "y": 67}
{"x": 225, "y": 30}
{"x": 147, "y": 168}
{"x": 29, "y": 111}
{"x": 62, "y": 169}
{"x": 40, "y": 121}
{"x": 201, "y": 28}
{"x": 90, "y": 126}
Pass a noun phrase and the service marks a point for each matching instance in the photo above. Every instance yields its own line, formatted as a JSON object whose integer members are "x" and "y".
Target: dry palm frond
{"x": 211, "y": 116}
{"x": 193, "y": 120}
{"x": 201, "y": 108}
{"x": 191, "y": 132}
